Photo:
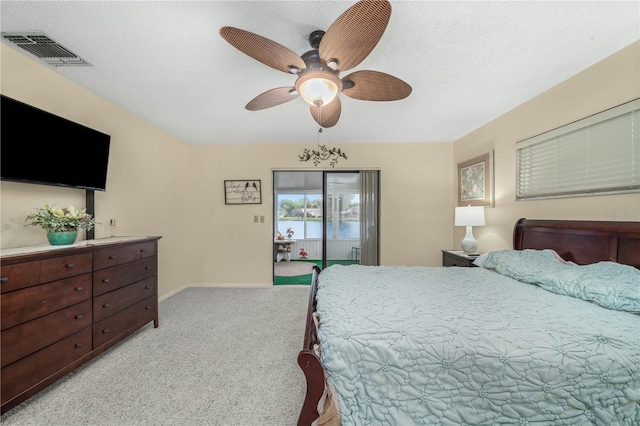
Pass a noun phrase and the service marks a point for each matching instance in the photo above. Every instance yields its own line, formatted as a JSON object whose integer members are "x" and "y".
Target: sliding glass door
{"x": 332, "y": 217}
{"x": 343, "y": 236}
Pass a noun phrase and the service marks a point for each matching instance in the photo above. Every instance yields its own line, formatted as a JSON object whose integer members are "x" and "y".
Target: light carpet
{"x": 292, "y": 269}
{"x": 221, "y": 356}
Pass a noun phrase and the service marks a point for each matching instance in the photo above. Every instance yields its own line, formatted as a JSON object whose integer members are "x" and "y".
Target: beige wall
{"x": 611, "y": 82}
{"x": 227, "y": 247}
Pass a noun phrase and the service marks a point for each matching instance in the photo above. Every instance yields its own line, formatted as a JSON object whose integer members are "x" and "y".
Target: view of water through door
{"x": 317, "y": 221}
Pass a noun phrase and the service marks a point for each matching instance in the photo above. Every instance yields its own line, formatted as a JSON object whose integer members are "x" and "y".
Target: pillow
{"x": 521, "y": 264}
{"x": 608, "y": 284}
{"x": 480, "y": 260}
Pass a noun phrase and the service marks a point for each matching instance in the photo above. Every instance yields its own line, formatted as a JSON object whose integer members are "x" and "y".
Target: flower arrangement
{"x": 60, "y": 220}
{"x": 290, "y": 233}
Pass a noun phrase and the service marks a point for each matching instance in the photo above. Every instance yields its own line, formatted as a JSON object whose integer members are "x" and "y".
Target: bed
{"x": 545, "y": 333}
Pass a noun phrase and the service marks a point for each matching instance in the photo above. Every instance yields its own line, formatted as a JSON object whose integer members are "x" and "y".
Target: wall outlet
{"x": 255, "y": 219}
{"x": 112, "y": 222}
{"x": 261, "y": 219}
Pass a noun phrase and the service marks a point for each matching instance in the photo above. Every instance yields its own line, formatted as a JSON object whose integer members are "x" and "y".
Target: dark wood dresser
{"x": 62, "y": 306}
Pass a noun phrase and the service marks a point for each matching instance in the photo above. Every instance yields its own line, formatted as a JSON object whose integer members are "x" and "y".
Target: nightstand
{"x": 457, "y": 258}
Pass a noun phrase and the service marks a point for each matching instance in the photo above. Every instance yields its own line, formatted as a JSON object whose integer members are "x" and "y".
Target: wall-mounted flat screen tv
{"x": 43, "y": 148}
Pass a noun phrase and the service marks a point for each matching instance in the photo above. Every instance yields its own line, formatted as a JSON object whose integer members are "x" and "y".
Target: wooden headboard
{"x": 582, "y": 242}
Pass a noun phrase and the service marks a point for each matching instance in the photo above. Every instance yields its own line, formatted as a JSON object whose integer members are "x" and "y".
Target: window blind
{"x": 596, "y": 155}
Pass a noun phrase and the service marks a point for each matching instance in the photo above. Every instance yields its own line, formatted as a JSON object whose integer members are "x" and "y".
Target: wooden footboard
{"x": 309, "y": 362}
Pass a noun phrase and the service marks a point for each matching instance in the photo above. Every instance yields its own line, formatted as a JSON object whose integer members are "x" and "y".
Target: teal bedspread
{"x": 455, "y": 346}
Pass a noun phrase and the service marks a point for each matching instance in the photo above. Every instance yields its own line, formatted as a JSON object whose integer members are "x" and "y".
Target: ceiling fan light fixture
{"x": 318, "y": 88}
{"x": 294, "y": 70}
{"x": 318, "y": 91}
{"x": 345, "y": 44}
{"x": 333, "y": 64}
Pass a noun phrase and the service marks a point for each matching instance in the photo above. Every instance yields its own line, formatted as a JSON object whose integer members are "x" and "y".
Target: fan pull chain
{"x": 319, "y": 126}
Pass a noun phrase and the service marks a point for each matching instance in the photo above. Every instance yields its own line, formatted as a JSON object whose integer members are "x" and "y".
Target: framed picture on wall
{"x": 242, "y": 192}
{"x": 475, "y": 181}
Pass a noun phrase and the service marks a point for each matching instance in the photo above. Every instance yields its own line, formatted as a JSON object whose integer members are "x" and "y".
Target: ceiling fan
{"x": 346, "y": 43}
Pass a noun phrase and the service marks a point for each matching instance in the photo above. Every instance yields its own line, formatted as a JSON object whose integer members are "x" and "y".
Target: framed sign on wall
{"x": 475, "y": 181}
{"x": 242, "y": 192}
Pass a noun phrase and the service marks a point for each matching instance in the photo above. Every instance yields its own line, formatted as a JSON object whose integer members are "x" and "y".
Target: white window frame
{"x": 597, "y": 155}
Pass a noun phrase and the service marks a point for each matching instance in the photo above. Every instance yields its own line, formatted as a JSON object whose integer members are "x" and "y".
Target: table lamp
{"x": 469, "y": 216}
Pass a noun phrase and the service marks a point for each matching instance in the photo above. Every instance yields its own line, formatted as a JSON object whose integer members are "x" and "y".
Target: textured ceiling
{"x": 467, "y": 62}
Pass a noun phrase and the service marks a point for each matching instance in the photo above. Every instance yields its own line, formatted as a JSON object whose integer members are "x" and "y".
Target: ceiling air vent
{"x": 44, "y": 48}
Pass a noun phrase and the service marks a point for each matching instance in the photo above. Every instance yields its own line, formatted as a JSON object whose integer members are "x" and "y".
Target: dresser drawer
{"x": 56, "y": 268}
{"x": 148, "y": 249}
{"x": 29, "y": 337}
{"x": 110, "y": 303}
{"x": 32, "y": 302}
{"x": 117, "y": 256}
{"x": 113, "y": 326}
{"x": 20, "y": 275}
{"x": 29, "y": 371}
{"x": 110, "y": 279}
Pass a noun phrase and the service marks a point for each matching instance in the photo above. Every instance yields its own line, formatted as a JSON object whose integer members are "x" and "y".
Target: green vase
{"x": 62, "y": 238}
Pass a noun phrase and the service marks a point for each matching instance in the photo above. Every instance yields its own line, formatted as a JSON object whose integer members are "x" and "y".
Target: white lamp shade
{"x": 469, "y": 216}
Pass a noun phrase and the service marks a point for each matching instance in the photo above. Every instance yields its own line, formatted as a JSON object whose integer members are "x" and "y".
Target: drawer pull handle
{"x": 147, "y": 267}
{"x": 79, "y": 316}
{"x": 70, "y": 265}
{"x": 78, "y": 345}
{"x": 112, "y": 257}
{"x": 143, "y": 251}
{"x": 147, "y": 307}
{"x": 105, "y": 331}
{"x": 79, "y": 288}
{"x": 106, "y": 280}
{"x": 4, "y": 279}
{"x": 147, "y": 287}
{"x": 106, "y": 305}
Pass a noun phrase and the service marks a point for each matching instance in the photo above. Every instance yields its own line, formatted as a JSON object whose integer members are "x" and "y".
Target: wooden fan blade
{"x": 272, "y": 98}
{"x": 327, "y": 115}
{"x": 355, "y": 33}
{"x": 375, "y": 86}
{"x": 262, "y": 49}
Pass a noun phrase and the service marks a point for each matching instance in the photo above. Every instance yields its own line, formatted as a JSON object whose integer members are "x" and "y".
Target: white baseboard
{"x": 227, "y": 285}
{"x": 172, "y": 293}
{"x": 214, "y": 285}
